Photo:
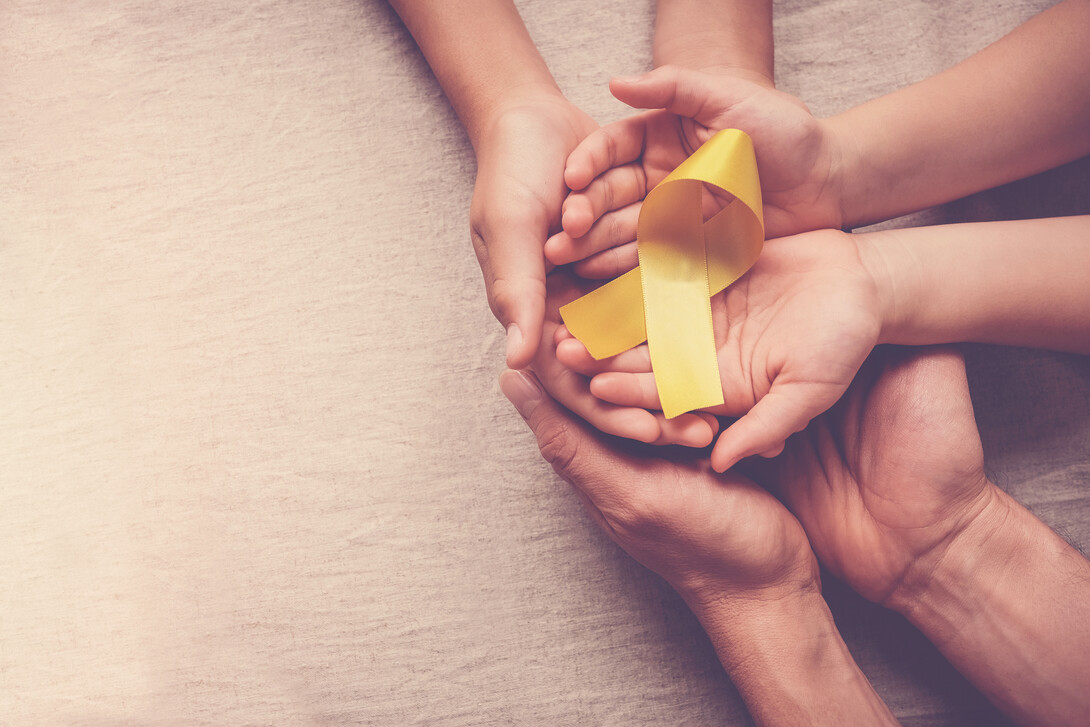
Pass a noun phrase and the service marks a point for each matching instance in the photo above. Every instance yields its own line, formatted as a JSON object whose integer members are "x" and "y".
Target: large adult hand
{"x": 615, "y": 168}
{"x": 516, "y": 206}
{"x": 712, "y": 537}
{"x": 733, "y": 552}
{"x": 886, "y": 481}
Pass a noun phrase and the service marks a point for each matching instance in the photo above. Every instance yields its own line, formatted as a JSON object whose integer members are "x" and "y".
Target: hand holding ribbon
{"x": 790, "y": 336}
{"x": 683, "y": 261}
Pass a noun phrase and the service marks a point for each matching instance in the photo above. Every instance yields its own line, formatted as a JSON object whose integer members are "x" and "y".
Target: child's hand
{"x": 695, "y": 429}
{"x": 615, "y": 167}
{"x": 791, "y": 335}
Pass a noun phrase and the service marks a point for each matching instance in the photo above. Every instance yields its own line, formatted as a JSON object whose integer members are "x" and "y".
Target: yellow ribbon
{"x": 683, "y": 262}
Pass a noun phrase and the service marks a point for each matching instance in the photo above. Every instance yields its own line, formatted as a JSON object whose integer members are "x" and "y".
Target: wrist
{"x": 898, "y": 281}
{"x": 525, "y": 96}
{"x": 788, "y": 661}
{"x": 1006, "y": 604}
{"x": 851, "y": 176}
{"x": 947, "y": 585}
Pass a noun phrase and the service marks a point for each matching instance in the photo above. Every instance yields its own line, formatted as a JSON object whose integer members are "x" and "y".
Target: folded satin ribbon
{"x": 683, "y": 262}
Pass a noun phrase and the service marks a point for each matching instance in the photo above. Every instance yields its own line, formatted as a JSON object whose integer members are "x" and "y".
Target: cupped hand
{"x": 885, "y": 482}
{"x": 615, "y": 167}
{"x": 713, "y": 537}
{"x": 790, "y": 334}
{"x": 572, "y": 389}
{"x": 516, "y": 205}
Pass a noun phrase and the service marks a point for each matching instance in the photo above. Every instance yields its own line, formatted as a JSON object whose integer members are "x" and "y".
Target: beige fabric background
{"x": 254, "y": 466}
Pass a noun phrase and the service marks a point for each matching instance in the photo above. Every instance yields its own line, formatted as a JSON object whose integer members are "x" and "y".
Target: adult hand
{"x": 886, "y": 480}
{"x": 615, "y": 168}
{"x": 712, "y": 537}
{"x": 731, "y": 550}
{"x": 516, "y": 205}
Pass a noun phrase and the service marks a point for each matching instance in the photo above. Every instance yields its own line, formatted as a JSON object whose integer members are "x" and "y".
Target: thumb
{"x": 574, "y": 451}
{"x": 764, "y": 429}
{"x": 680, "y": 91}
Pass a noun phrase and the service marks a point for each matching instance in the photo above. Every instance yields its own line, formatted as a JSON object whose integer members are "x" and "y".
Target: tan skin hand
{"x": 711, "y": 536}
{"x": 885, "y": 481}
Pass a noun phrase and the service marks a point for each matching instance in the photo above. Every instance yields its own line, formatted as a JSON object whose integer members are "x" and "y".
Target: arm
{"x": 1017, "y": 108}
{"x": 891, "y": 489}
{"x": 790, "y": 664}
{"x": 732, "y": 551}
{"x": 1007, "y": 605}
{"x": 1021, "y": 283}
{"x": 522, "y": 129}
{"x": 727, "y": 36}
{"x": 483, "y": 57}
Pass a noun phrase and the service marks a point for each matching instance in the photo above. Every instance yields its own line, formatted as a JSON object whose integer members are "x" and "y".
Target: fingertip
{"x": 562, "y": 333}
{"x": 648, "y": 430}
{"x": 697, "y": 433}
{"x": 555, "y": 247}
{"x": 572, "y": 354}
{"x": 522, "y": 389}
{"x": 721, "y": 459}
{"x": 576, "y": 173}
{"x": 520, "y": 347}
{"x": 577, "y": 217}
{"x": 712, "y": 422}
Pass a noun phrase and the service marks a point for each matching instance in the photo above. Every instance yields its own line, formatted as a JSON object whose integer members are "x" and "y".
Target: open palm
{"x": 790, "y": 335}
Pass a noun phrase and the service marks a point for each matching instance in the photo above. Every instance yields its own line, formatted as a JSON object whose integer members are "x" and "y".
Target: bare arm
{"x": 1007, "y": 604}
{"x": 522, "y": 129}
{"x": 726, "y": 36}
{"x": 790, "y": 664}
{"x": 480, "y": 53}
{"x": 1024, "y": 283}
{"x": 1017, "y": 108}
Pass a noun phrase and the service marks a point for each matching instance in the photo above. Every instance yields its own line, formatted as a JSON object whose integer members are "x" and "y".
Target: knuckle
{"x": 559, "y": 447}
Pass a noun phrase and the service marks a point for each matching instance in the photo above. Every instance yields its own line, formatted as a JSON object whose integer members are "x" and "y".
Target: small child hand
{"x": 615, "y": 167}
{"x": 695, "y": 429}
{"x": 791, "y": 335}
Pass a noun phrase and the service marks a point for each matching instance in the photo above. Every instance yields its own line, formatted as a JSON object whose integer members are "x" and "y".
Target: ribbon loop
{"x": 683, "y": 262}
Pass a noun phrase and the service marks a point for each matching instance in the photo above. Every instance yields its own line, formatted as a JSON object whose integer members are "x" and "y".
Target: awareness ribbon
{"x": 684, "y": 261}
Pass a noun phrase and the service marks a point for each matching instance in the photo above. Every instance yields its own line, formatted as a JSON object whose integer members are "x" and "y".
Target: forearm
{"x": 732, "y": 36}
{"x": 790, "y": 664}
{"x": 1018, "y": 107}
{"x": 480, "y": 52}
{"x": 1009, "y": 606}
{"x": 1024, "y": 283}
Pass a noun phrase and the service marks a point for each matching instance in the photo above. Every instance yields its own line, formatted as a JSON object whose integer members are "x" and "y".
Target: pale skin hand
{"x": 516, "y": 205}
{"x": 614, "y": 168}
{"x": 790, "y": 334}
{"x": 522, "y": 129}
{"x": 573, "y": 390}
{"x": 732, "y": 551}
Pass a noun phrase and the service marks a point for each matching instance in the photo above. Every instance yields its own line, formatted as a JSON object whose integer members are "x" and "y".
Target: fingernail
{"x": 514, "y": 341}
{"x": 521, "y": 391}
{"x": 628, "y": 79}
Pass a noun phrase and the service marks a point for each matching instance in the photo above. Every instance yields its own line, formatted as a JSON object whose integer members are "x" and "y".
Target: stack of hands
{"x": 869, "y": 457}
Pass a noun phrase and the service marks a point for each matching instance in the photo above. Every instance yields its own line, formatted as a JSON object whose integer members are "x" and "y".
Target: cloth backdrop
{"x": 255, "y": 468}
